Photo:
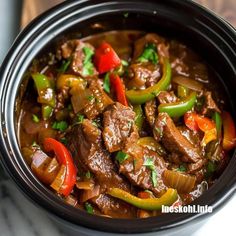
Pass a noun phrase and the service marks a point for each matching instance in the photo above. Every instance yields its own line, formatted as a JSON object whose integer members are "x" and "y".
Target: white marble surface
{"x": 19, "y": 217}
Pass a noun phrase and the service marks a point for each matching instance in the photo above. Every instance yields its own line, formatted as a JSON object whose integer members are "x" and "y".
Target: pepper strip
{"x": 218, "y": 121}
{"x": 177, "y": 109}
{"x": 119, "y": 88}
{"x": 151, "y": 204}
{"x": 142, "y": 96}
{"x": 64, "y": 157}
{"x": 46, "y": 94}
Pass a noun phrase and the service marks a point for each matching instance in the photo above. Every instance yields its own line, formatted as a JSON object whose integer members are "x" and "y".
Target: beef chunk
{"x": 138, "y": 173}
{"x": 150, "y": 109}
{"x": 210, "y": 104}
{"x": 118, "y": 123}
{"x": 143, "y": 75}
{"x": 75, "y": 49}
{"x": 85, "y": 144}
{"x": 146, "y": 74}
{"x": 172, "y": 139}
{"x": 167, "y": 97}
{"x": 92, "y": 100}
{"x": 99, "y": 100}
{"x": 113, "y": 207}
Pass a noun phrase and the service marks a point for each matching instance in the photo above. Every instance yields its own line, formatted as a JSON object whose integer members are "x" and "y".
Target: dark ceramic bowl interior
{"x": 210, "y": 36}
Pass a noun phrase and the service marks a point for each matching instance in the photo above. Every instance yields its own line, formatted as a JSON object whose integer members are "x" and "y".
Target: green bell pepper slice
{"x": 177, "y": 109}
{"x": 182, "y": 91}
{"x": 46, "y": 111}
{"x": 151, "y": 204}
{"x": 142, "y": 96}
{"x": 46, "y": 94}
{"x": 218, "y": 121}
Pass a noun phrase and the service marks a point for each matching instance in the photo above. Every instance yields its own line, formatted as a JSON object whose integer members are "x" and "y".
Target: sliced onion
{"x": 188, "y": 83}
{"x": 88, "y": 194}
{"x": 59, "y": 180}
{"x": 184, "y": 183}
{"x": 79, "y": 98}
{"x": 86, "y": 185}
{"x": 39, "y": 163}
{"x": 51, "y": 171}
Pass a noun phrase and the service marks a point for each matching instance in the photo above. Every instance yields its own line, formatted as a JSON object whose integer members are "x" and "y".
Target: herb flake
{"x": 149, "y": 163}
{"x": 64, "y": 140}
{"x": 64, "y": 66}
{"x": 88, "y": 208}
{"x": 80, "y": 118}
{"x": 88, "y": 174}
{"x": 154, "y": 178}
{"x": 124, "y": 63}
{"x": 90, "y": 98}
{"x": 88, "y": 67}
{"x": 121, "y": 156}
{"x": 149, "y": 54}
{"x": 106, "y": 84}
{"x": 61, "y": 125}
{"x": 35, "y": 118}
{"x": 181, "y": 168}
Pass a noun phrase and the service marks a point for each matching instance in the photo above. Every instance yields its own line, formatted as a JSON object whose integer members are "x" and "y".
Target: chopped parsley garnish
{"x": 88, "y": 67}
{"x": 94, "y": 123}
{"x": 126, "y": 14}
{"x": 88, "y": 208}
{"x": 121, "y": 156}
{"x": 149, "y": 54}
{"x": 80, "y": 118}
{"x": 210, "y": 169}
{"x": 149, "y": 163}
{"x": 35, "y": 118}
{"x": 35, "y": 145}
{"x": 64, "y": 140}
{"x": 61, "y": 125}
{"x": 106, "y": 84}
{"x": 64, "y": 66}
{"x": 154, "y": 178}
{"x": 88, "y": 174}
{"x": 124, "y": 63}
{"x": 181, "y": 168}
{"x": 90, "y": 98}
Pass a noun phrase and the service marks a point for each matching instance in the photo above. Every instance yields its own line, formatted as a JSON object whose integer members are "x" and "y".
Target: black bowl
{"x": 211, "y": 36}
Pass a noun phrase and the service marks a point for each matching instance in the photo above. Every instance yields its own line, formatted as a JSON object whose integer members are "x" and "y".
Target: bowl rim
{"x": 26, "y": 181}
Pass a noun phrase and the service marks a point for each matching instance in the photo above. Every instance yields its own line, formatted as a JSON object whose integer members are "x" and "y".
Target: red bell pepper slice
{"x": 105, "y": 58}
{"x": 190, "y": 121}
{"x": 119, "y": 88}
{"x": 229, "y": 131}
{"x": 64, "y": 158}
{"x": 195, "y": 122}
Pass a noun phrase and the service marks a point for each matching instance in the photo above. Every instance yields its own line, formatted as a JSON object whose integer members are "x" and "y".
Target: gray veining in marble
{"x": 19, "y": 217}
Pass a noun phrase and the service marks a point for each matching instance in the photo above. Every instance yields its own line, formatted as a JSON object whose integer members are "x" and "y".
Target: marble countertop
{"x": 19, "y": 217}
